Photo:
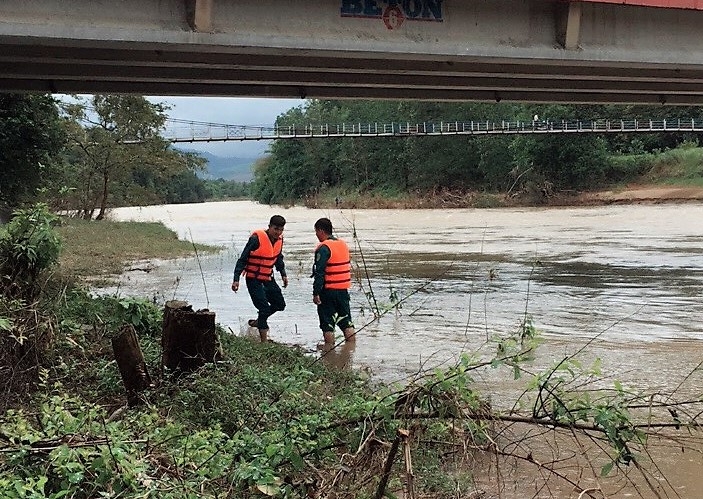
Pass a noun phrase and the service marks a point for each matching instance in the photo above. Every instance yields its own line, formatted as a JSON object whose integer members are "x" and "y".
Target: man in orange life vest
{"x": 263, "y": 252}
{"x": 332, "y": 280}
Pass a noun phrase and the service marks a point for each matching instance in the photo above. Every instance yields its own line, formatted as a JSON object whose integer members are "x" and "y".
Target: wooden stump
{"x": 189, "y": 339}
{"x": 130, "y": 361}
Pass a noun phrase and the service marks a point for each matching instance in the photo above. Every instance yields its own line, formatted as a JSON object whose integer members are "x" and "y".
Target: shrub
{"x": 28, "y": 246}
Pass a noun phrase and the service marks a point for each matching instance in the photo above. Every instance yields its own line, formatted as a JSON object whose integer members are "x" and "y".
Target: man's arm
{"x": 322, "y": 256}
{"x": 281, "y": 267}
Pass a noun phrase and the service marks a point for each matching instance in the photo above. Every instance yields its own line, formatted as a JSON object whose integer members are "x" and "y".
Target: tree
{"x": 562, "y": 161}
{"x": 119, "y": 156}
{"x": 31, "y": 138}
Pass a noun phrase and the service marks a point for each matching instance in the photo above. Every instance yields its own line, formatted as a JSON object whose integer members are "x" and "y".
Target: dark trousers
{"x": 267, "y": 298}
{"x": 334, "y": 310}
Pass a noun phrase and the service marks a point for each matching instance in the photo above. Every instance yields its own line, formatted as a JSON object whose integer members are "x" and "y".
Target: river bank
{"x": 627, "y": 194}
{"x": 114, "y": 245}
{"x": 654, "y": 194}
{"x": 93, "y": 251}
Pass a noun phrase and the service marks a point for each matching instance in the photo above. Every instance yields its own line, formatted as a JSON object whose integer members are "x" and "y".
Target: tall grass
{"x": 680, "y": 166}
{"x": 95, "y": 248}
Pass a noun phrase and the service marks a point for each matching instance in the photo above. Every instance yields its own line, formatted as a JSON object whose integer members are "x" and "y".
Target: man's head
{"x": 276, "y": 225}
{"x": 323, "y": 229}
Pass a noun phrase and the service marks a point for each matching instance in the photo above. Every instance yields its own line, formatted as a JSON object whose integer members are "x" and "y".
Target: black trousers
{"x": 267, "y": 298}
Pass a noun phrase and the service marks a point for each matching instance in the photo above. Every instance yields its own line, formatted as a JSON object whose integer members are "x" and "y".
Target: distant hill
{"x": 228, "y": 168}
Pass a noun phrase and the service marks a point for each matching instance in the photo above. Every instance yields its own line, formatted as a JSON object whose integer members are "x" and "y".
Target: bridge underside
{"x": 498, "y": 50}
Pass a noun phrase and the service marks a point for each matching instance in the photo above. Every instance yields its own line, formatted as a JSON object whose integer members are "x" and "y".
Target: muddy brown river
{"x": 622, "y": 283}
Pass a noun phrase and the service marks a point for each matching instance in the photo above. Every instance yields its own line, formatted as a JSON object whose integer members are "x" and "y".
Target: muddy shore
{"x": 641, "y": 194}
{"x": 629, "y": 194}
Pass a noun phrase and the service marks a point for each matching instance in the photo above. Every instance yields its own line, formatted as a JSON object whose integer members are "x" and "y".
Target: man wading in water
{"x": 332, "y": 280}
{"x": 263, "y": 252}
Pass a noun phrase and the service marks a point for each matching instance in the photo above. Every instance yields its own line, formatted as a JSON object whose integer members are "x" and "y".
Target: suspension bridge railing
{"x": 211, "y": 132}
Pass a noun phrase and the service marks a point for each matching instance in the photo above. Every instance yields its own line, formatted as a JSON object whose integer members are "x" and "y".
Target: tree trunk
{"x": 130, "y": 360}
{"x": 103, "y": 199}
{"x": 189, "y": 338}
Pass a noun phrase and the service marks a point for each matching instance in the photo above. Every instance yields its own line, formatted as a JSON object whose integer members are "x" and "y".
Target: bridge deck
{"x": 212, "y": 132}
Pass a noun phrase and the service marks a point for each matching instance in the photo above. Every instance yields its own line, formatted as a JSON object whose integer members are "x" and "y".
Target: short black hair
{"x": 277, "y": 220}
{"x": 325, "y": 225}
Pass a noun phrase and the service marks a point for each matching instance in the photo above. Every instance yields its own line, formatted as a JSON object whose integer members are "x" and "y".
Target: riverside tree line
{"x": 298, "y": 169}
{"x": 92, "y": 154}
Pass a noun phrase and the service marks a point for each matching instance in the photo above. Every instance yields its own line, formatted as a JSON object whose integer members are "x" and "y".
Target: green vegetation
{"x": 221, "y": 189}
{"x": 445, "y": 170}
{"x": 681, "y": 166}
{"x": 31, "y": 142}
{"x": 87, "y": 157}
{"x": 270, "y": 420}
{"x": 115, "y": 156}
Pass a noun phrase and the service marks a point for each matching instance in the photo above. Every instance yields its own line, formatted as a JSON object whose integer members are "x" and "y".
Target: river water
{"x": 620, "y": 283}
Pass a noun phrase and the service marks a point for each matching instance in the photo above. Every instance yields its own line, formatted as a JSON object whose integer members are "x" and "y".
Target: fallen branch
{"x": 400, "y": 435}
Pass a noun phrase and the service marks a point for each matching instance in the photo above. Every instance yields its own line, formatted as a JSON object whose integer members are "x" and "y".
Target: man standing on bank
{"x": 263, "y": 252}
{"x": 332, "y": 280}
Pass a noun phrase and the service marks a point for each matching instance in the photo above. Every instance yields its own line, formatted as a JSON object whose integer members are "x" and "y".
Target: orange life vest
{"x": 338, "y": 269}
{"x": 261, "y": 261}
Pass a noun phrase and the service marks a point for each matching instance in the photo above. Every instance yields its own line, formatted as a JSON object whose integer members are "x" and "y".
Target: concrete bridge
{"x": 593, "y": 51}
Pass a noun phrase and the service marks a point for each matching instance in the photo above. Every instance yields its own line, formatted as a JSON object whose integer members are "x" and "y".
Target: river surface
{"x": 620, "y": 283}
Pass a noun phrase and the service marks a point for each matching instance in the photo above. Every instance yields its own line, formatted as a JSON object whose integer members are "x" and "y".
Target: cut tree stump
{"x": 130, "y": 361}
{"x": 189, "y": 339}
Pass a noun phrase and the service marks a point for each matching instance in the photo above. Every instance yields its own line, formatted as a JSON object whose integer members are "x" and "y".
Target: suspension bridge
{"x": 197, "y": 131}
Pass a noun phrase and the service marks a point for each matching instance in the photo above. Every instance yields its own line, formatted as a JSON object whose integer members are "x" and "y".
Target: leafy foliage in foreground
{"x": 272, "y": 421}
{"x": 29, "y": 246}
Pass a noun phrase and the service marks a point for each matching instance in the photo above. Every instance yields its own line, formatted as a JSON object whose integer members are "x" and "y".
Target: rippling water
{"x": 629, "y": 274}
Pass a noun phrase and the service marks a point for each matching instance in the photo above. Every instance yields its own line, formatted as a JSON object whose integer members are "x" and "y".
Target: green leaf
{"x": 605, "y": 470}
{"x": 272, "y": 450}
{"x": 296, "y": 460}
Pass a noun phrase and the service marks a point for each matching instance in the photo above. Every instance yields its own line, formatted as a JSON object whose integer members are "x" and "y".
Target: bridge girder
{"x": 502, "y": 50}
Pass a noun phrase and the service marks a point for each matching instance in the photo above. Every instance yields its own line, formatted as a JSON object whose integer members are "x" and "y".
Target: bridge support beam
{"x": 568, "y": 18}
{"x": 199, "y": 15}
{"x": 508, "y": 50}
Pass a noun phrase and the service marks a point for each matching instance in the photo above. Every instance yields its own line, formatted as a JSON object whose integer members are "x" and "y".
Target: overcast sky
{"x": 230, "y": 111}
